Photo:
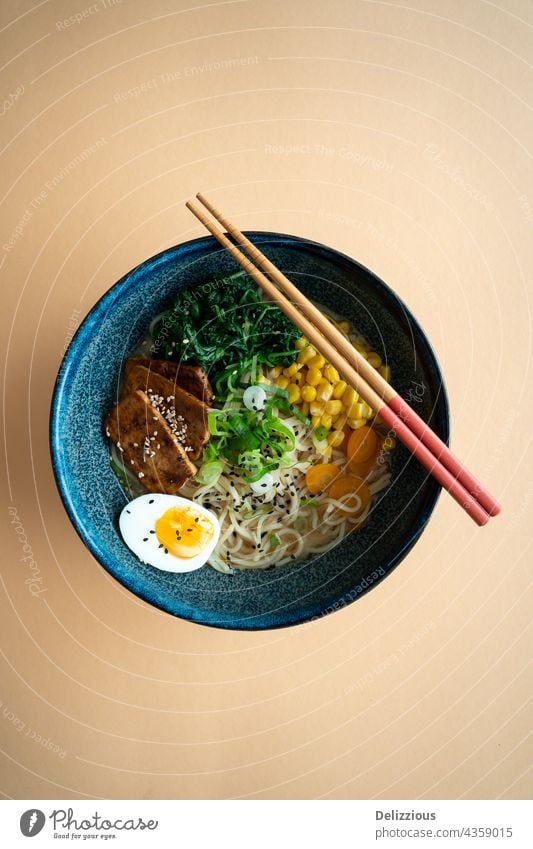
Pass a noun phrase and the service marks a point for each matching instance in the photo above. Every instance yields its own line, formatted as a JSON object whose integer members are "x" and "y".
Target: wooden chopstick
{"x": 344, "y": 364}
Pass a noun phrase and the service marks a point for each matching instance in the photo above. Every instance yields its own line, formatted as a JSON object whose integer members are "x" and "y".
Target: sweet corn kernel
{"x": 356, "y": 411}
{"x": 291, "y": 370}
{"x": 306, "y": 355}
{"x": 389, "y": 443}
{"x": 304, "y": 409}
{"x": 368, "y": 412}
{"x": 317, "y": 408}
{"x": 282, "y": 382}
{"x": 356, "y": 423}
{"x": 349, "y": 397}
{"x": 301, "y": 343}
{"x": 374, "y": 359}
{"x": 385, "y": 373}
{"x": 275, "y": 372}
{"x": 331, "y": 373}
{"x": 324, "y": 390}
{"x": 340, "y": 421}
{"x": 339, "y": 388}
{"x": 326, "y": 420}
{"x": 344, "y": 326}
{"x": 318, "y": 361}
{"x": 308, "y": 392}
{"x": 262, "y": 379}
{"x": 335, "y": 438}
{"x": 299, "y": 378}
{"x": 294, "y": 393}
{"x": 315, "y": 421}
{"x": 334, "y": 408}
{"x": 313, "y": 377}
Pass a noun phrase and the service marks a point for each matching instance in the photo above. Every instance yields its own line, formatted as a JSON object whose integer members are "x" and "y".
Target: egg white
{"x": 137, "y": 522}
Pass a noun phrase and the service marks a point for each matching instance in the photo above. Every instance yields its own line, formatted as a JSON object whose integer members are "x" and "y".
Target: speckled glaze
{"x": 87, "y": 385}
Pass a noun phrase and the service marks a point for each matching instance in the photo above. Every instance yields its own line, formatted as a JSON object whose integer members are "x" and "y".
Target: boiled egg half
{"x": 169, "y": 532}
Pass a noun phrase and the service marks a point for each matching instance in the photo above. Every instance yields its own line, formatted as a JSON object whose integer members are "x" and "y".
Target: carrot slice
{"x": 320, "y": 476}
{"x": 362, "y": 445}
{"x": 350, "y": 484}
{"x": 360, "y": 470}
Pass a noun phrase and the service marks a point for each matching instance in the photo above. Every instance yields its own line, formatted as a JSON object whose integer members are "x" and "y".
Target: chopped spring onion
{"x": 251, "y": 435}
{"x": 210, "y": 473}
{"x": 257, "y": 476}
{"x": 254, "y": 398}
{"x": 264, "y": 485}
{"x": 270, "y": 389}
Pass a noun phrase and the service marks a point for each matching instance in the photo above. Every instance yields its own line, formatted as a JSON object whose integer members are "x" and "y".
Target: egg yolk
{"x": 184, "y": 532}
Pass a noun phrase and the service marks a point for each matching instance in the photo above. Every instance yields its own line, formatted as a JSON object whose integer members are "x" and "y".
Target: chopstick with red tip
{"x": 421, "y": 441}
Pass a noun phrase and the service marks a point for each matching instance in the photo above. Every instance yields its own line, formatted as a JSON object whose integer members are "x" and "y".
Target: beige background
{"x": 400, "y": 134}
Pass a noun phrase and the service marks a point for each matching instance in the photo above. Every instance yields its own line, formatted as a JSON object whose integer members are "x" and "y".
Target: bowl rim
{"x": 276, "y": 619}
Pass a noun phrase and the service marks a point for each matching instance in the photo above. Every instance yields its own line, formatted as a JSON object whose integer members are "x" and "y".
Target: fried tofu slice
{"x": 185, "y": 414}
{"x": 148, "y": 446}
{"x": 191, "y": 378}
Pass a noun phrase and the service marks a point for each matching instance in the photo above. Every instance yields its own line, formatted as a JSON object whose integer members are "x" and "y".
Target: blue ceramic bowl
{"x": 87, "y": 384}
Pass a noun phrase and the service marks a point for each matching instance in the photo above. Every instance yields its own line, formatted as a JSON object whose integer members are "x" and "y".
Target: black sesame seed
{"x": 151, "y": 501}
{"x": 145, "y": 539}
{"x": 166, "y": 550}
{"x": 189, "y": 530}
{"x": 197, "y": 520}
{"x": 152, "y": 532}
{"x": 160, "y": 545}
{"x": 128, "y": 511}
